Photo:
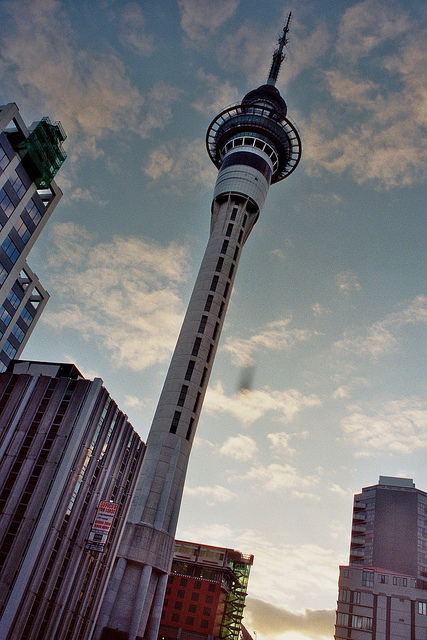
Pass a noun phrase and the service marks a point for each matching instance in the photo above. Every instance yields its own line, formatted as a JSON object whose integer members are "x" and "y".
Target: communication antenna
{"x": 279, "y": 55}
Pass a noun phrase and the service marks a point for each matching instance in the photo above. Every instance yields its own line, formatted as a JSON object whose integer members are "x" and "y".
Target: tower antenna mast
{"x": 278, "y": 55}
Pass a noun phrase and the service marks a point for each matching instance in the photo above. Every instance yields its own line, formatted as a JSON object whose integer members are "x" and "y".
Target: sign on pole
{"x": 101, "y": 527}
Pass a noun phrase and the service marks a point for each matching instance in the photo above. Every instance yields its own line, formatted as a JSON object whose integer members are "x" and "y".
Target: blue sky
{"x": 328, "y": 314}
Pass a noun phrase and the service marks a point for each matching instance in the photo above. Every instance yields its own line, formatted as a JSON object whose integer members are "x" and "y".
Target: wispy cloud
{"x": 133, "y": 32}
{"x": 396, "y": 426}
{"x": 276, "y": 335}
{"x": 280, "y": 441}
{"x": 382, "y": 337}
{"x": 382, "y": 110}
{"x": 240, "y": 447}
{"x": 200, "y": 18}
{"x": 250, "y": 406}
{"x": 282, "y": 477}
{"x": 122, "y": 294}
{"x": 182, "y": 162}
{"x": 91, "y": 92}
{"x": 347, "y": 282}
{"x": 215, "y": 93}
{"x": 211, "y": 495}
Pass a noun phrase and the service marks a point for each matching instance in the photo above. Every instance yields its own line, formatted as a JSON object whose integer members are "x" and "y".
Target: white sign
{"x": 101, "y": 527}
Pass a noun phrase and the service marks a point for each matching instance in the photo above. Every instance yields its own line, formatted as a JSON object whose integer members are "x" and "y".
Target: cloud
{"x": 250, "y": 406}
{"x": 182, "y": 162}
{"x": 133, "y": 401}
{"x": 133, "y": 32}
{"x": 366, "y": 25}
{"x": 280, "y": 442}
{"x": 347, "y": 281}
{"x": 211, "y": 495}
{"x": 216, "y": 93}
{"x": 90, "y": 91}
{"x": 384, "y": 143}
{"x": 319, "y": 310}
{"x": 345, "y": 390}
{"x": 200, "y": 18}
{"x": 121, "y": 294}
{"x": 278, "y": 478}
{"x": 271, "y": 620}
{"x": 380, "y": 338}
{"x": 276, "y": 335}
{"x": 396, "y": 426}
{"x": 240, "y": 447}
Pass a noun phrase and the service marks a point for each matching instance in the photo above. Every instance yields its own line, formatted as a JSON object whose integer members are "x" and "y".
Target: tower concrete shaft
{"x": 252, "y": 144}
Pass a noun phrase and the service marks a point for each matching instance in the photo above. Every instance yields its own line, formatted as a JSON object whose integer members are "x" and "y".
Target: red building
{"x": 206, "y": 593}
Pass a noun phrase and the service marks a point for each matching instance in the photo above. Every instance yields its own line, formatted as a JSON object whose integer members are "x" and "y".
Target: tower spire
{"x": 278, "y": 55}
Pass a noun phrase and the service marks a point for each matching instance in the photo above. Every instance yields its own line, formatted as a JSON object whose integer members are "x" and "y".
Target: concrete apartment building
{"x": 69, "y": 461}
{"x": 29, "y": 160}
{"x": 382, "y": 593}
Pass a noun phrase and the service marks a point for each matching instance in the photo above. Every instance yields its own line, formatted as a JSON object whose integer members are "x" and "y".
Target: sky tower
{"x": 253, "y": 144}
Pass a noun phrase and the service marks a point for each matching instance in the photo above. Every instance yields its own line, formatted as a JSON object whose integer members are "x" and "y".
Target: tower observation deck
{"x": 253, "y": 144}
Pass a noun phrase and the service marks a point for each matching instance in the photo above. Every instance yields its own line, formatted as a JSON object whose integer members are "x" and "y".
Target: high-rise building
{"x": 253, "y": 144}
{"x": 69, "y": 461}
{"x": 206, "y": 592}
{"x": 382, "y": 593}
{"x": 29, "y": 160}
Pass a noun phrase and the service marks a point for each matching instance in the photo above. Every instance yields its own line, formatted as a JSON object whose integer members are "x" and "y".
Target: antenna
{"x": 278, "y": 55}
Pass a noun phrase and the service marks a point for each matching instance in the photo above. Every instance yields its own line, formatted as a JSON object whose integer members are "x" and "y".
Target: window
{"x": 368, "y": 578}
{"x": 196, "y": 346}
{"x": 3, "y": 273}
{"x": 175, "y": 421}
{"x": 6, "y": 203}
{"x": 207, "y": 611}
{"x": 10, "y": 249}
{"x": 202, "y": 324}
{"x": 18, "y": 333}
{"x": 224, "y": 246}
{"x": 33, "y": 212}
{"x": 18, "y": 186}
{"x": 190, "y": 428}
{"x": 182, "y": 395}
{"x": 26, "y": 317}
{"x": 196, "y": 403}
{"x": 178, "y": 605}
{"x": 195, "y": 597}
{"x": 4, "y": 160}
{"x": 244, "y": 220}
{"x": 204, "y": 624}
{"x": 208, "y": 303}
{"x": 183, "y": 582}
{"x": 231, "y": 270}
{"x": 401, "y": 582}
{"x": 383, "y": 579}
{"x": 346, "y": 595}
{"x": 215, "y": 331}
{"x": 13, "y": 299}
{"x": 5, "y": 316}
{"x": 209, "y": 599}
{"x": 239, "y": 240}
{"x": 219, "y": 264}
{"x": 181, "y": 593}
{"x": 342, "y": 619}
{"x": 361, "y": 622}
{"x": 175, "y": 617}
{"x": 211, "y": 587}
{"x": 214, "y": 283}
{"x": 9, "y": 349}
{"x": 221, "y": 309}
{"x": 227, "y": 286}
{"x": 202, "y": 381}
{"x": 209, "y": 353}
{"x": 190, "y": 369}
{"x": 234, "y": 213}
{"x": 422, "y": 608}
{"x": 189, "y": 620}
{"x": 192, "y": 608}
{"x": 229, "y": 230}
{"x": 23, "y": 232}
{"x": 236, "y": 253}
{"x": 197, "y": 584}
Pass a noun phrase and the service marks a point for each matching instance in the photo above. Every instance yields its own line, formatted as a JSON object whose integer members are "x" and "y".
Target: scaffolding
{"x": 235, "y": 601}
{"x": 41, "y": 153}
